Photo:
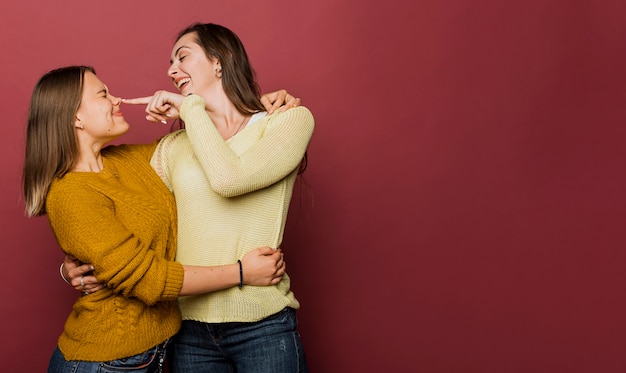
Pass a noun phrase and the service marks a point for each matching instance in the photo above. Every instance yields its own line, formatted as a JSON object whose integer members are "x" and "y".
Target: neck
{"x": 88, "y": 161}
{"x": 226, "y": 118}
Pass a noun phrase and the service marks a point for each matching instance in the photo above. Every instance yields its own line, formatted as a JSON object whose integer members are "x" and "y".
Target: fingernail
{"x": 92, "y": 268}
{"x": 168, "y": 115}
{"x": 164, "y": 122}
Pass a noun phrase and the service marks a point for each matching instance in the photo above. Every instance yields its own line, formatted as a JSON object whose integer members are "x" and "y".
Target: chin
{"x": 121, "y": 128}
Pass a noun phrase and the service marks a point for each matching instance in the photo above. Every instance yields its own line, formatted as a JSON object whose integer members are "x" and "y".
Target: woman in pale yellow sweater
{"x": 236, "y": 164}
{"x": 108, "y": 207}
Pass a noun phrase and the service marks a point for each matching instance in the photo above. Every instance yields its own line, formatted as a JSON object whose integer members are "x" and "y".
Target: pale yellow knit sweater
{"x": 232, "y": 196}
{"x": 123, "y": 221}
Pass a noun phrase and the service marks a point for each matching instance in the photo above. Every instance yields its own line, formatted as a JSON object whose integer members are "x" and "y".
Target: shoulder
{"x": 171, "y": 139}
{"x": 143, "y": 151}
{"x": 70, "y": 191}
{"x": 167, "y": 149}
{"x": 173, "y": 136}
{"x": 300, "y": 111}
{"x": 62, "y": 185}
{"x": 300, "y": 115}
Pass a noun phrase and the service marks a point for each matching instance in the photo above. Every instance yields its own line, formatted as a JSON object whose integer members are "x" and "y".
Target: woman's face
{"x": 190, "y": 69}
{"x": 99, "y": 113}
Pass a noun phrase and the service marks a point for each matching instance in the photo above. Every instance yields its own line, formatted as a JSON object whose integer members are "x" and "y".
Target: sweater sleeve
{"x": 162, "y": 158}
{"x": 277, "y": 152}
{"x": 85, "y": 226}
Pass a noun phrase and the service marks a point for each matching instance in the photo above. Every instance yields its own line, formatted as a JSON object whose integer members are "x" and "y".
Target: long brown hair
{"x": 51, "y": 143}
{"x": 238, "y": 76}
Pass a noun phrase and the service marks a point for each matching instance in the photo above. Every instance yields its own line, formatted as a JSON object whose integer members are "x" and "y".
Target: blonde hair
{"x": 51, "y": 143}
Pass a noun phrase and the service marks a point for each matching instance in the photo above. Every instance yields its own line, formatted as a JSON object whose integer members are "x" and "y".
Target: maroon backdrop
{"x": 463, "y": 208}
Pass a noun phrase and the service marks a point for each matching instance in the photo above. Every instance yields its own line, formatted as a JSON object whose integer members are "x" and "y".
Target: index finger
{"x": 137, "y": 101}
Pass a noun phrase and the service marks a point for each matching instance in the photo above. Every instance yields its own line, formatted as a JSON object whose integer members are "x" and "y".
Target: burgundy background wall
{"x": 464, "y": 206}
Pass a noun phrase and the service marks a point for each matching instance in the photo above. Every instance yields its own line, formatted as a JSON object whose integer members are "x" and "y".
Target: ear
{"x": 216, "y": 63}
{"x": 78, "y": 123}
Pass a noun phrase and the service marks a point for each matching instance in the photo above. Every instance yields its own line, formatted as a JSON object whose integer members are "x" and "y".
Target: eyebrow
{"x": 178, "y": 50}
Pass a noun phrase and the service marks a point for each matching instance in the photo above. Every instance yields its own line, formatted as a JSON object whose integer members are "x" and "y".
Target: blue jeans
{"x": 150, "y": 361}
{"x": 271, "y": 345}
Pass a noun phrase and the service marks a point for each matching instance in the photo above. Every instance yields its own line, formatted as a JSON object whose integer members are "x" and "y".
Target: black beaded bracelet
{"x": 240, "y": 274}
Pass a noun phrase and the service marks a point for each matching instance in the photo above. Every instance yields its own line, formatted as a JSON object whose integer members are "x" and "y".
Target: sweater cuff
{"x": 189, "y": 103}
{"x": 174, "y": 283}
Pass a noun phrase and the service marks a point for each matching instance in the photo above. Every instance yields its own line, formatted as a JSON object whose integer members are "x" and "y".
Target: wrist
{"x": 240, "y": 274}
{"x": 190, "y": 101}
{"x": 62, "y": 276}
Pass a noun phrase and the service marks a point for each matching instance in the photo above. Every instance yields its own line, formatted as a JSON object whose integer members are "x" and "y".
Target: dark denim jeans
{"x": 271, "y": 345}
{"x": 150, "y": 361}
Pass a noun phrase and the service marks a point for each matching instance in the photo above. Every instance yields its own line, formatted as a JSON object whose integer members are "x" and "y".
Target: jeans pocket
{"x": 284, "y": 320}
{"x": 137, "y": 363}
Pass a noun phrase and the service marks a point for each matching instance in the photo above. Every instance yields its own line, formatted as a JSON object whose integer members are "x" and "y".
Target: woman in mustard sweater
{"x": 108, "y": 207}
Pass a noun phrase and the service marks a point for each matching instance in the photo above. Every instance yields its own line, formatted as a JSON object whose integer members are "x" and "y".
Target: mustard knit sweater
{"x": 232, "y": 197}
{"x": 122, "y": 220}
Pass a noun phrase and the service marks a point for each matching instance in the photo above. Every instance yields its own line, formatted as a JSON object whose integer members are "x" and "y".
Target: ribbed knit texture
{"x": 232, "y": 196}
{"x": 123, "y": 221}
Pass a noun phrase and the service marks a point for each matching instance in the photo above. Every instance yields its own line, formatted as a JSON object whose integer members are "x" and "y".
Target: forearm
{"x": 260, "y": 267}
{"x": 200, "y": 279}
{"x": 263, "y": 266}
{"x": 274, "y": 155}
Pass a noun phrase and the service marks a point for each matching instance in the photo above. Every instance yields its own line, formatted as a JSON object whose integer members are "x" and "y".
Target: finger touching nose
{"x": 117, "y": 101}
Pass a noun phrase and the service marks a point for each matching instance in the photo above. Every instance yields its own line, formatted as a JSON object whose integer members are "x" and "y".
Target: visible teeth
{"x": 183, "y": 81}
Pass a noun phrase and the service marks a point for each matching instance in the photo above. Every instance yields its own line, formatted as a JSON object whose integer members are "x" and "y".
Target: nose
{"x": 116, "y": 101}
{"x": 172, "y": 70}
